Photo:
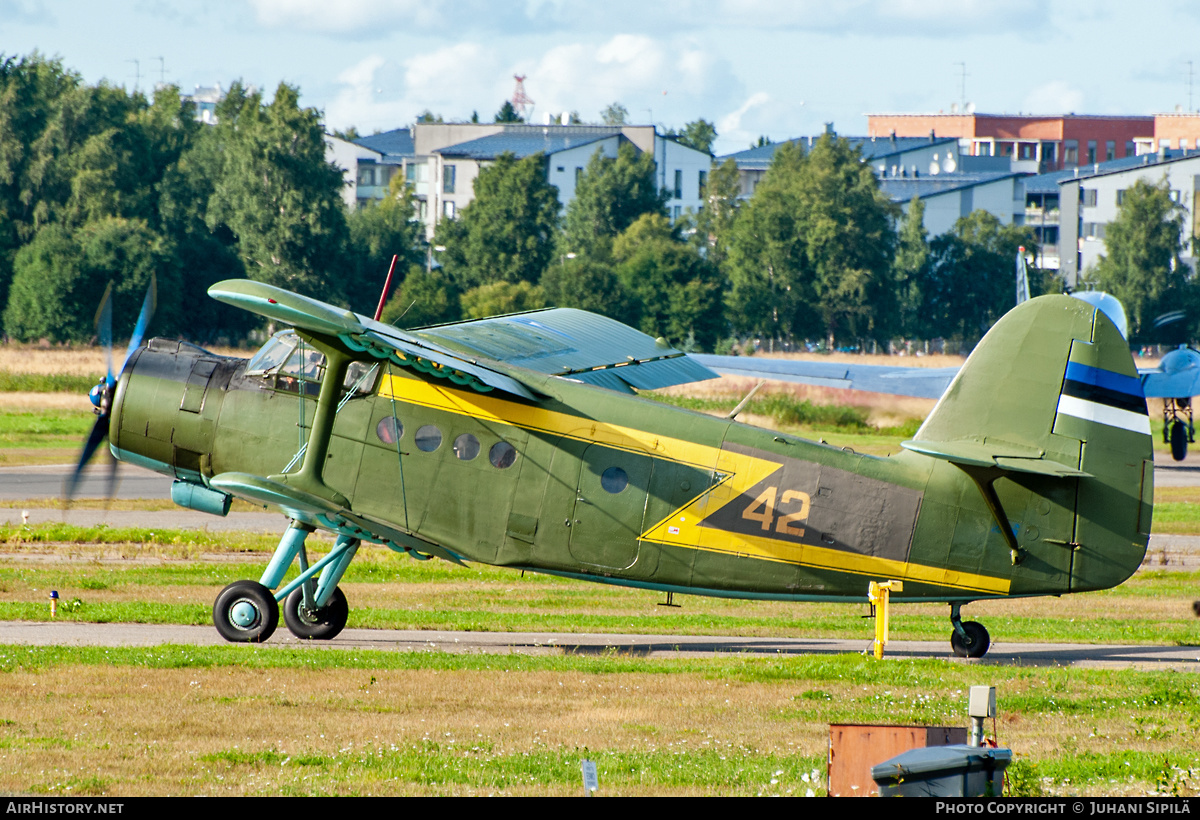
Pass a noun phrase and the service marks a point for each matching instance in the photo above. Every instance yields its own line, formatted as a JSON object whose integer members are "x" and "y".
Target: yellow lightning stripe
{"x": 682, "y": 528}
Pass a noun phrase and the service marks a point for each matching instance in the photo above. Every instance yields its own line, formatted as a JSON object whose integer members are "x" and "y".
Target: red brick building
{"x": 1178, "y": 130}
{"x": 1046, "y": 143}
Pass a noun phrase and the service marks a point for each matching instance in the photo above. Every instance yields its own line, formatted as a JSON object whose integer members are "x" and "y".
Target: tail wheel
{"x": 973, "y": 643}
{"x": 319, "y": 625}
{"x": 1179, "y": 440}
{"x": 246, "y": 612}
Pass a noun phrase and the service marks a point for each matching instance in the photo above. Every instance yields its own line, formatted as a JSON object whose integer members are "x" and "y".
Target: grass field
{"x": 237, "y": 720}
{"x": 264, "y": 721}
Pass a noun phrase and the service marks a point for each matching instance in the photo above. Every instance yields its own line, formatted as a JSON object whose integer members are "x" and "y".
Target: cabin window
{"x": 502, "y": 455}
{"x": 466, "y": 447}
{"x": 389, "y": 430}
{"x": 614, "y": 480}
{"x": 360, "y": 378}
{"x": 428, "y": 438}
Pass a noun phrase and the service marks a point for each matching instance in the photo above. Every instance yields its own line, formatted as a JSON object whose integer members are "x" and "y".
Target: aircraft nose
{"x": 164, "y": 411}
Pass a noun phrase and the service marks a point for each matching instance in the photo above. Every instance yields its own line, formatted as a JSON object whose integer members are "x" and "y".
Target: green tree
{"x": 909, "y": 268}
{"x": 677, "y": 292}
{"x": 699, "y": 135}
{"x": 276, "y": 193}
{"x": 588, "y": 285}
{"x": 1142, "y": 267}
{"x": 498, "y": 298}
{"x": 378, "y": 232}
{"x": 508, "y": 231}
{"x": 767, "y": 264}
{"x": 714, "y": 223}
{"x": 847, "y": 222}
{"x": 508, "y": 114}
{"x": 423, "y": 298}
{"x": 811, "y": 252}
{"x": 968, "y": 281}
{"x": 60, "y": 277}
{"x": 614, "y": 114}
{"x": 610, "y": 196}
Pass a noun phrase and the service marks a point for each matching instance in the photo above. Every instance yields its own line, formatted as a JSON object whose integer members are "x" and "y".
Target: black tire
{"x": 1179, "y": 440}
{"x": 246, "y": 612}
{"x": 976, "y": 642}
{"x": 321, "y": 625}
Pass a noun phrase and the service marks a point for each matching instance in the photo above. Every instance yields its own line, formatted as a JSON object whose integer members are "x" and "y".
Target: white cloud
{"x": 346, "y": 16}
{"x": 670, "y": 81}
{"x": 1055, "y": 97}
{"x": 25, "y": 11}
{"x": 739, "y": 127}
{"x": 379, "y": 94}
{"x": 375, "y": 18}
{"x": 901, "y": 17}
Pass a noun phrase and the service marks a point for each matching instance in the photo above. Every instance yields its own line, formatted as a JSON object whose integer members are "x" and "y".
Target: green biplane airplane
{"x": 519, "y": 441}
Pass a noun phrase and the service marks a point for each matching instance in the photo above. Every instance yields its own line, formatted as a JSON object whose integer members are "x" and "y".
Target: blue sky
{"x": 753, "y": 67}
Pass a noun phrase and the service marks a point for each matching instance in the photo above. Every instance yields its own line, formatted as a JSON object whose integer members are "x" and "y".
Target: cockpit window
{"x": 274, "y": 353}
{"x": 287, "y": 363}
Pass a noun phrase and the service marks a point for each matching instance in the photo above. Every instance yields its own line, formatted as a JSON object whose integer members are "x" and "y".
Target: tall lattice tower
{"x": 520, "y": 100}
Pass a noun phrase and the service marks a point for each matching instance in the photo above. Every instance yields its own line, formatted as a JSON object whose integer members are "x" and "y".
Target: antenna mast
{"x": 520, "y": 100}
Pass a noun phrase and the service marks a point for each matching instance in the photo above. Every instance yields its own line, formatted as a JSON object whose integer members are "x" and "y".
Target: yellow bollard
{"x": 879, "y": 594}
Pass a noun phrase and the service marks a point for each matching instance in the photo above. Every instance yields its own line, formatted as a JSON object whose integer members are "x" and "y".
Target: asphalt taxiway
{"x": 1178, "y": 658}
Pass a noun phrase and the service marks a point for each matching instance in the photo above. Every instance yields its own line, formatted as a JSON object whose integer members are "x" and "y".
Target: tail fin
{"x": 1052, "y": 391}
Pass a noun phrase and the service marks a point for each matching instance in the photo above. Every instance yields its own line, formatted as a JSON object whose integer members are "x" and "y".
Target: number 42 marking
{"x": 762, "y": 510}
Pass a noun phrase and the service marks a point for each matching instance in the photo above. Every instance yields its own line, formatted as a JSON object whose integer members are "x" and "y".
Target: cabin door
{"x": 610, "y": 503}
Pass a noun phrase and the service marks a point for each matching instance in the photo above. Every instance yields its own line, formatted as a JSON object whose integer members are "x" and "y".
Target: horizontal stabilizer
{"x": 1011, "y": 457}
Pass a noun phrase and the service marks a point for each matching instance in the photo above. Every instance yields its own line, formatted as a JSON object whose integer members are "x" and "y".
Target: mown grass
{"x": 15, "y": 382}
{"x": 45, "y": 428}
{"x": 261, "y": 720}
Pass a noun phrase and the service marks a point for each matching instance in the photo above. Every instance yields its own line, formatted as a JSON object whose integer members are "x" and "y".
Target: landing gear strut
{"x": 1178, "y": 429}
{"x": 314, "y": 607}
{"x": 969, "y": 639}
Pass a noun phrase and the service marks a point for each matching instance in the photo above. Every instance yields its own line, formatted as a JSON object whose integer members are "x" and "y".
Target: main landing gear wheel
{"x": 320, "y": 625}
{"x": 246, "y": 612}
{"x": 1179, "y": 440}
{"x": 974, "y": 644}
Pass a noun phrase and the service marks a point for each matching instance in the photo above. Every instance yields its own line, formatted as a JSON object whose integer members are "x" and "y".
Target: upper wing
{"x": 574, "y": 344}
{"x": 917, "y": 382}
{"x": 486, "y": 354}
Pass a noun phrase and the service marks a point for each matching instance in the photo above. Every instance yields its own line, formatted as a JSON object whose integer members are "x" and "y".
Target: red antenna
{"x": 387, "y": 285}
{"x": 520, "y": 100}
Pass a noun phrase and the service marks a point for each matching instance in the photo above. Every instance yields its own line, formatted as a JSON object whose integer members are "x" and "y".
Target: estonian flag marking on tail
{"x": 1104, "y": 397}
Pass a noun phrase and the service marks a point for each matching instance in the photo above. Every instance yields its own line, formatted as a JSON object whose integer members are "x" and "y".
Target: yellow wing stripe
{"x": 682, "y": 527}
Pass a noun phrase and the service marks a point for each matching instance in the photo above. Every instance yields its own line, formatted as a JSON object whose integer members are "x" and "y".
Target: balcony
{"x": 1041, "y": 216}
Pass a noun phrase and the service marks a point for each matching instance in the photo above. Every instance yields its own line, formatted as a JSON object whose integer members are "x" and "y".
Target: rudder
{"x": 1052, "y": 390}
